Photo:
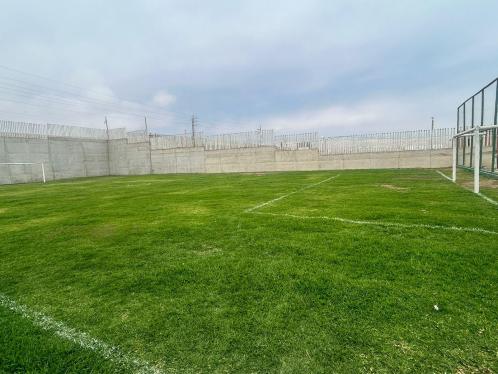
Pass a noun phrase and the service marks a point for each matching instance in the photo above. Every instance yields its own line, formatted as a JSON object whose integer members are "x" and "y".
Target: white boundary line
{"x": 289, "y": 194}
{"x": 82, "y": 339}
{"x": 381, "y": 223}
{"x": 488, "y": 199}
{"x": 444, "y": 175}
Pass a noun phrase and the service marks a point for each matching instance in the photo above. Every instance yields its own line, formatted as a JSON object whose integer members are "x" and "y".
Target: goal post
{"x": 41, "y": 164}
{"x": 476, "y": 135}
{"x": 475, "y": 143}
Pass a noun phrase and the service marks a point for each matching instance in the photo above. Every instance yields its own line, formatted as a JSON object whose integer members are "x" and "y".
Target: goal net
{"x": 22, "y": 172}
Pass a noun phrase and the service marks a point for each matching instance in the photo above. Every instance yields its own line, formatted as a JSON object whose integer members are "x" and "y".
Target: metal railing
{"x": 418, "y": 140}
{"x": 479, "y": 110}
{"x": 381, "y": 142}
{"x": 307, "y": 140}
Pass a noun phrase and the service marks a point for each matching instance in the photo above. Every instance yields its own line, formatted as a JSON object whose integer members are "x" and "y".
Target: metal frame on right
{"x": 475, "y": 144}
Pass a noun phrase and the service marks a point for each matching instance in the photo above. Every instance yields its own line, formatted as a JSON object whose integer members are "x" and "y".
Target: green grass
{"x": 172, "y": 270}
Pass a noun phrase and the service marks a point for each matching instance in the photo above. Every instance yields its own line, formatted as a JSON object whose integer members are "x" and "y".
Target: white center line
{"x": 381, "y": 223}
{"x": 289, "y": 194}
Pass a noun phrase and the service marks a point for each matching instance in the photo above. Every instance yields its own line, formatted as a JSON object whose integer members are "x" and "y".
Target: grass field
{"x": 275, "y": 272}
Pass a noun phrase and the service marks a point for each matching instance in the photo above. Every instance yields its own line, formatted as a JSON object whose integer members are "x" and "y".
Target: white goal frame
{"x": 475, "y": 132}
{"x": 29, "y": 163}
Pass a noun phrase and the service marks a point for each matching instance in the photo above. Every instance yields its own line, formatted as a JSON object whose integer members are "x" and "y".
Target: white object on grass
{"x": 289, "y": 194}
{"x": 82, "y": 339}
{"x": 384, "y": 224}
{"x": 28, "y": 163}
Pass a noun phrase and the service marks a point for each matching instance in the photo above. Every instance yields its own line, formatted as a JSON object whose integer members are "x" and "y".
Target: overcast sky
{"x": 337, "y": 67}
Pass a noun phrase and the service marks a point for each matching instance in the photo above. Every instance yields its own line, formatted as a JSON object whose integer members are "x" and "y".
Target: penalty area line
{"x": 84, "y": 340}
{"x": 288, "y": 194}
{"x": 381, "y": 223}
{"x": 488, "y": 199}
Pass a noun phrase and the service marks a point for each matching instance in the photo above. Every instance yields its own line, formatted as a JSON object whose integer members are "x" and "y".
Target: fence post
{"x": 43, "y": 173}
{"x": 477, "y": 161}
{"x": 454, "y": 164}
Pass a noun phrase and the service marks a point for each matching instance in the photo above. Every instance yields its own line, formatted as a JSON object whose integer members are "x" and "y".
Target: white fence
{"x": 250, "y": 139}
{"x": 158, "y": 141}
{"x": 22, "y": 129}
{"x": 418, "y": 140}
{"x": 382, "y": 142}
{"x": 38, "y": 130}
{"x": 307, "y": 140}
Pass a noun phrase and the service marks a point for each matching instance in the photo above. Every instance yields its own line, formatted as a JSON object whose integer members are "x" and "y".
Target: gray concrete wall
{"x": 69, "y": 158}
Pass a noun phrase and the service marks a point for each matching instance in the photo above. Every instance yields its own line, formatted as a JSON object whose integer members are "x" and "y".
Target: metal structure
{"x": 475, "y": 144}
{"x": 418, "y": 140}
{"x": 44, "y": 179}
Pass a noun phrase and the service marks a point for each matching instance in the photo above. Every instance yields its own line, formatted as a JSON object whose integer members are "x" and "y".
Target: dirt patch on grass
{"x": 207, "y": 250}
{"x": 485, "y": 183}
{"x": 105, "y": 230}
{"x": 394, "y": 188}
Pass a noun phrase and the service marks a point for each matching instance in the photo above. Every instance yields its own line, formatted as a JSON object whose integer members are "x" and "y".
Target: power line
{"x": 78, "y": 88}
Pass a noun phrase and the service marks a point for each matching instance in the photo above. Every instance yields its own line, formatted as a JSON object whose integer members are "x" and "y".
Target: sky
{"x": 336, "y": 67}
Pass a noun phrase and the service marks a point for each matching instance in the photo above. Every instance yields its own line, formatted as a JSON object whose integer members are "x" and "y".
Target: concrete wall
{"x": 69, "y": 157}
{"x": 62, "y": 158}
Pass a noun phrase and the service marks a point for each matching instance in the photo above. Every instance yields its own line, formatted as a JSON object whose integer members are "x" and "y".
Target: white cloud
{"x": 163, "y": 99}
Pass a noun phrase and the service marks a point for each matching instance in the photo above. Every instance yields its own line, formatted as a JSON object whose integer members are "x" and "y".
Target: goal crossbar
{"x": 29, "y": 163}
{"x": 476, "y": 133}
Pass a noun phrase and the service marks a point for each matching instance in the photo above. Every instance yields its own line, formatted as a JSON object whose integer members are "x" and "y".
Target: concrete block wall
{"x": 138, "y": 155}
{"x": 118, "y": 157}
{"x": 69, "y": 158}
{"x": 23, "y": 150}
{"x": 178, "y": 160}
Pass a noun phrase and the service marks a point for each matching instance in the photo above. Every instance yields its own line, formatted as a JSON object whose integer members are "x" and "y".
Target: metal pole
{"x": 477, "y": 152}
{"x": 481, "y": 139}
{"x": 464, "y": 140}
{"x": 454, "y": 171}
{"x": 193, "y": 130}
{"x": 108, "y": 153}
{"x": 43, "y": 173}
{"x": 472, "y": 148}
{"x": 494, "y": 155}
{"x": 150, "y": 145}
{"x": 432, "y": 132}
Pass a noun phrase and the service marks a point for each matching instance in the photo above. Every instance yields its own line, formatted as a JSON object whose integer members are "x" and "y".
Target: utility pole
{"x": 108, "y": 153}
{"x": 432, "y": 134}
{"x": 193, "y": 129}
{"x": 150, "y": 146}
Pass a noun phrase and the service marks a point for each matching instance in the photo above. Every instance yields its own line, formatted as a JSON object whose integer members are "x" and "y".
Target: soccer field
{"x": 299, "y": 272}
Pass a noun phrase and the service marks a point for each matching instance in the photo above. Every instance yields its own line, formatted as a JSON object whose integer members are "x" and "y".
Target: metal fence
{"x": 159, "y": 141}
{"x": 382, "y": 142}
{"x": 250, "y": 139}
{"x": 307, "y": 140}
{"x": 22, "y": 129}
{"x": 481, "y": 109}
{"x": 76, "y": 132}
{"x": 418, "y": 140}
{"x": 38, "y": 130}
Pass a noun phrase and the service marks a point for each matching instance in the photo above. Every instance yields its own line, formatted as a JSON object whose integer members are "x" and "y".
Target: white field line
{"x": 82, "y": 339}
{"x": 488, "y": 199}
{"x": 289, "y": 194}
{"x": 383, "y": 224}
{"x": 444, "y": 175}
